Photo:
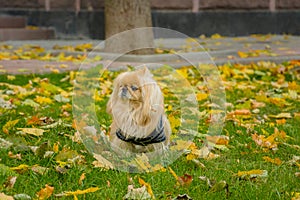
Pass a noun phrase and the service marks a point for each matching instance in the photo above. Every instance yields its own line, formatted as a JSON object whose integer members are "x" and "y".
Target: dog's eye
{"x": 134, "y": 88}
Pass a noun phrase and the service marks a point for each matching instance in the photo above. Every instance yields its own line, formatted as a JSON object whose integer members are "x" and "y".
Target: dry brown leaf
{"x": 185, "y": 180}
{"x": 10, "y": 182}
{"x": 14, "y": 156}
{"x": 45, "y": 193}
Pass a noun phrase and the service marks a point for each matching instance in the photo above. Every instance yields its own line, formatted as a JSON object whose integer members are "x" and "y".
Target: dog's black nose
{"x": 124, "y": 91}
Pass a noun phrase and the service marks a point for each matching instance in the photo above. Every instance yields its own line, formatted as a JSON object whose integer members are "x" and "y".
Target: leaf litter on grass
{"x": 263, "y": 105}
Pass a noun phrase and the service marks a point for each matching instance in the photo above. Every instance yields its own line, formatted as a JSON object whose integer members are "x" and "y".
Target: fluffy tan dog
{"x": 137, "y": 109}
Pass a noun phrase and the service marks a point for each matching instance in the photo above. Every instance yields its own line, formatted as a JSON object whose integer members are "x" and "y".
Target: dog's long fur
{"x": 137, "y": 106}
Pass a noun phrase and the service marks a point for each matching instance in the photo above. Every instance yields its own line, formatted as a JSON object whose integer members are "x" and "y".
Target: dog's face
{"x": 129, "y": 87}
{"x": 137, "y": 93}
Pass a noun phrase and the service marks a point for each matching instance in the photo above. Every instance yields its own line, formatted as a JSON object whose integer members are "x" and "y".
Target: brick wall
{"x": 156, "y": 4}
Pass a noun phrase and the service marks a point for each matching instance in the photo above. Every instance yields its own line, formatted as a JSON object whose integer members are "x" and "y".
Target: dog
{"x": 139, "y": 123}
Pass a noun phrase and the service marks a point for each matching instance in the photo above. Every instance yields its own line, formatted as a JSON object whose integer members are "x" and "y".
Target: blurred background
{"x": 84, "y": 19}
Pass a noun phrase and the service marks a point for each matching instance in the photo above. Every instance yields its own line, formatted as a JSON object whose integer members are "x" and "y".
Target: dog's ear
{"x": 144, "y": 71}
{"x": 109, "y": 106}
{"x": 143, "y": 114}
{"x": 113, "y": 96}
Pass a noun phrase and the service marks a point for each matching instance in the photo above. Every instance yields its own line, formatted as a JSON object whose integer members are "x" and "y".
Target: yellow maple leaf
{"x": 174, "y": 122}
{"x": 202, "y": 96}
{"x": 43, "y": 100}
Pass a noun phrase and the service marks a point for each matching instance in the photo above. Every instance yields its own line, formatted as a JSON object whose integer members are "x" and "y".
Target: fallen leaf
{"x": 32, "y": 131}
{"x": 22, "y": 197}
{"x": 296, "y": 195}
{"x": 61, "y": 170}
{"x": 218, "y": 139}
{"x": 185, "y": 180}
{"x": 148, "y": 186}
{"x": 9, "y": 125}
{"x": 242, "y": 112}
{"x": 201, "y": 96}
{"x": 252, "y": 174}
{"x": 21, "y": 168}
{"x": 66, "y": 154}
{"x": 137, "y": 193}
{"x": 45, "y": 193}
{"x": 77, "y": 192}
{"x": 39, "y": 169}
{"x": 30, "y": 102}
{"x": 56, "y": 147}
{"x": 173, "y": 174}
{"x": 294, "y": 161}
{"x": 10, "y": 182}
{"x": 281, "y": 115}
{"x": 142, "y": 161}
{"x": 275, "y": 161}
{"x": 219, "y": 186}
{"x": 181, "y": 145}
{"x": 204, "y": 153}
{"x": 270, "y": 142}
{"x": 4, "y": 144}
{"x": 14, "y": 156}
{"x": 60, "y": 98}
{"x": 6, "y": 104}
{"x": 175, "y": 123}
{"x": 210, "y": 182}
{"x": 43, "y": 100}
{"x": 10, "y": 77}
{"x": 81, "y": 178}
{"x": 102, "y": 162}
{"x": 280, "y": 121}
{"x": 50, "y": 87}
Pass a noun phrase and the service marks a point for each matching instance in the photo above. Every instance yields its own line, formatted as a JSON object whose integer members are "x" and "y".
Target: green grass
{"x": 243, "y": 153}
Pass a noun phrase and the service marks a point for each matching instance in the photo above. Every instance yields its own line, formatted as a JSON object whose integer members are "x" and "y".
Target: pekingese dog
{"x": 139, "y": 123}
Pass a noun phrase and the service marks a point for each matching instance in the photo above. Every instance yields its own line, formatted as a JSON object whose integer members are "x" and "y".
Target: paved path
{"x": 218, "y": 50}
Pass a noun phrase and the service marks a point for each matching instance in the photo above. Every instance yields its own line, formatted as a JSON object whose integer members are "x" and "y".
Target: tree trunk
{"x": 123, "y": 15}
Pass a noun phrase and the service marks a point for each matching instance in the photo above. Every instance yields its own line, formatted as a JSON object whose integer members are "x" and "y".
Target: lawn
{"x": 257, "y": 155}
